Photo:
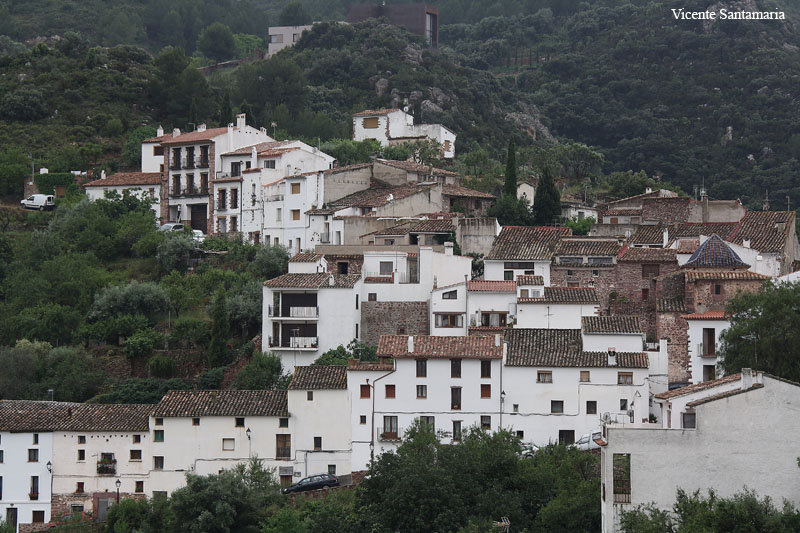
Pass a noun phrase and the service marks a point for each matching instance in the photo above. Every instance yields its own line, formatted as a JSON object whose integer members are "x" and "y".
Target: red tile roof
{"x": 714, "y": 253}
{"x": 741, "y": 275}
{"x": 223, "y": 403}
{"x": 195, "y": 136}
{"x": 611, "y": 324}
{"x": 411, "y": 166}
{"x": 648, "y": 234}
{"x": 708, "y": 315}
{"x": 492, "y": 286}
{"x": 427, "y": 346}
{"x": 688, "y": 246}
{"x": 29, "y": 415}
{"x": 347, "y": 168}
{"x": 649, "y": 255}
{"x": 319, "y": 377}
{"x": 127, "y": 179}
{"x": 373, "y": 112}
{"x": 158, "y": 139}
{"x": 691, "y": 229}
{"x": 526, "y": 280}
{"x": 721, "y": 395}
{"x": 261, "y": 147}
{"x": 306, "y": 257}
{"x": 564, "y": 295}
{"x": 320, "y": 280}
{"x": 767, "y": 231}
{"x": 433, "y": 226}
{"x": 587, "y": 246}
{"x": 697, "y": 387}
{"x": 670, "y": 305}
{"x": 463, "y": 192}
{"x": 526, "y": 243}
{"x": 378, "y": 196}
{"x": 108, "y": 417}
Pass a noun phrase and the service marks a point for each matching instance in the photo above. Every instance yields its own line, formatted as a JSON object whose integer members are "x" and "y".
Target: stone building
{"x": 586, "y": 262}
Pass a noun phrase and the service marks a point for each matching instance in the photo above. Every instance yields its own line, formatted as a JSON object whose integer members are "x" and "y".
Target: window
{"x": 623, "y": 404}
{"x": 310, "y": 396}
{"x": 519, "y": 265}
{"x": 449, "y": 320}
{"x": 283, "y": 422}
{"x": 36, "y": 438}
{"x": 486, "y": 390}
{"x": 269, "y": 163}
{"x": 234, "y": 198}
{"x": 195, "y": 421}
{"x": 140, "y": 486}
{"x": 523, "y": 293}
{"x": 520, "y": 434}
{"x": 455, "y": 368}
{"x": 585, "y": 376}
{"x": 709, "y": 346}
{"x": 486, "y": 369}
{"x": 390, "y": 391}
{"x": 709, "y": 372}
{"x": 456, "y": 430}
{"x": 158, "y": 435}
{"x": 595, "y": 273}
{"x": 317, "y": 444}
{"x": 650, "y": 271}
{"x": 422, "y": 368}
{"x": 278, "y": 218}
{"x": 276, "y": 39}
{"x": 645, "y": 294}
{"x": 365, "y": 391}
{"x": 239, "y": 422}
{"x": 508, "y": 275}
{"x": 228, "y": 444}
{"x": 573, "y": 284}
{"x": 390, "y": 430}
{"x": 450, "y": 295}
{"x": 544, "y": 376}
{"x": 372, "y": 297}
{"x": 295, "y": 188}
{"x": 236, "y": 168}
{"x": 356, "y": 301}
{"x": 362, "y": 419}
{"x": 159, "y": 421}
{"x": 81, "y": 439}
{"x": 717, "y": 289}
{"x": 79, "y": 487}
{"x": 428, "y": 421}
{"x": 158, "y": 462}
{"x": 33, "y": 455}
{"x": 1, "y": 456}
{"x": 455, "y": 398}
{"x": 295, "y": 214}
{"x": 591, "y": 407}
{"x": 370, "y": 123}
{"x": 422, "y": 391}
{"x": 624, "y": 378}
{"x": 37, "y": 517}
{"x": 486, "y": 422}
{"x": 136, "y": 455}
{"x": 332, "y": 470}
{"x": 566, "y": 436}
{"x": 137, "y": 439}
{"x": 283, "y": 447}
{"x": 81, "y": 455}
{"x": 222, "y": 199}
{"x": 689, "y": 421}
{"x": 34, "y": 488}
{"x": 386, "y": 268}
{"x": 557, "y": 407}
{"x": 515, "y": 408}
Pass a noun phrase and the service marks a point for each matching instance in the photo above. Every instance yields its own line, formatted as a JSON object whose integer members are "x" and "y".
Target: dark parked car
{"x": 320, "y": 481}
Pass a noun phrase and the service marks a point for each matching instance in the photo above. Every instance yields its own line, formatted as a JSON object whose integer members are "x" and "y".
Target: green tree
{"x": 216, "y": 41}
{"x": 244, "y": 304}
{"x": 175, "y": 251}
{"x": 225, "y": 109}
{"x": 580, "y": 226}
{"x": 340, "y": 355}
{"x": 15, "y": 166}
{"x": 146, "y": 515}
{"x": 547, "y": 200}
{"x": 294, "y": 14}
{"x": 140, "y": 390}
{"x": 629, "y": 183}
{"x": 270, "y": 262}
{"x": 511, "y": 211}
{"x": 510, "y": 184}
{"x": 24, "y": 104}
{"x": 132, "y": 150}
{"x": 263, "y": 372}
{"x": 220, "y": 330}
{"x": 147, "y": 299}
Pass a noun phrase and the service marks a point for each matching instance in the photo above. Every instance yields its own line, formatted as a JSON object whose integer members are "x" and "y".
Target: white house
{"x": 395, "y": 126}
{"x": 522, "y": 250}
{"x": 557, "y": 390}
{"x": 319, "y": 407}
{"x": 704, "y": 343}
{"x": 558, "y": 307}
{"x": 207, "y": 431}
{"x": 477, "y": 308}
{"x": 281, "y": 37}
{"x": 136, "y": 183}
{"x": 293, "y": 326}
{"x": 742, "y": 434}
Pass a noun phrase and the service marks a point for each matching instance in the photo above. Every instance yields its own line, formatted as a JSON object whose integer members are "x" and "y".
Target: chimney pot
{"x": 410, "y": 344}
{"x": 201, "y": 127}
{"x": 747, "y": 378}
{"x": 612, "y": 357}
{"x": 176, "y": 132}
{"x": 746, "y": 243}
{"x": 331, "y": 280}
{"x": 159, "y": 131}
{"x": 241, "y": 121}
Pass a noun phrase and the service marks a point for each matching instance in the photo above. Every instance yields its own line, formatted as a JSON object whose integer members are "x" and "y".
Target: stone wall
{"x": 700, "y": 295}
{"x": 393, "y": 318}
{"x": 603, "y": 282}
{"x": 670, "y": 326}
{"x": 667, "y": 210}
{"x": 476, "y": 235}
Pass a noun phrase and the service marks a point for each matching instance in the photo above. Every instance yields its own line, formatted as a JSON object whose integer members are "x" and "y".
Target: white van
{"x": 39, "y": 201}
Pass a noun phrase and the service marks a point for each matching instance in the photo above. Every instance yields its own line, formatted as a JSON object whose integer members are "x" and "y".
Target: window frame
{"x": 486, "y": 368}
{"x": 486, "y": 390}
{"x": 422, "y": 368}
{"x": 544, "y": 376}
{"x": 455, "y": 368}
{"x": 556, "y": 407}
{"x": 422, "y": 391}
{"x": 624, "y": 378}
{"x": 390, "y": 391}
{"x": 364, "y": 391}
{"x": 585, "y": 374}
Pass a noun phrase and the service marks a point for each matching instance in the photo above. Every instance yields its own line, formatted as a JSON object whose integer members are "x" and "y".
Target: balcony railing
{"x": 33, "y": 495}
{"x": 294, "y": 312}
{"x": 389, "y": 435}
{"x": 274, "y": 198}
{"x": 283, "y": 453}
{"x": 651, "y": 346}
{"x": 294, "y": 342}
{"x": 391, "y": 277}
{"x": 190, "y": 191}
{"x": 324, "y": 238}
{"x": 105, "y": 467}
{"x": 202, "y": 162}
{"x": 622, "y": 491}
{"x": 706, "y": 351}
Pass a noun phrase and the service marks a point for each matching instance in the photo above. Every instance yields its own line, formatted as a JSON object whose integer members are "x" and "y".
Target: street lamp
{"x": 49, "y": 467}
{"x": 248, "y": 433}
{"x": 118, "y": 483}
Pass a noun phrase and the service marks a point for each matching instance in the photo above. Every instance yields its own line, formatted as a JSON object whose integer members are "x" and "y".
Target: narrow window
{"x": 422, "y": 368}
{"x": 158, "y": 435}
{"x": 390, "y": 391}
{"x": 140, "y": 486}
{"x": 623, "y": 404}
{"x": 645, "y": 294}
{"x": 81, "y": 455}
{"x": 79, "y": 487}
{"x": 365, "y": 391}
{"x": 455, "y": 398}
{"x": 486, "y": 369}
{"x": 362, "y": 419}
{"x": 36, "y": 438}
{"x": 317, "y": 444}
{"x": 486, "y": 390}
{"x": 158, "y": 462}
{"x": 310, "y": 396}
{"x": 456, "y": 430}
{"x": 332, "y": 470}
{"x": 455, "y": 368}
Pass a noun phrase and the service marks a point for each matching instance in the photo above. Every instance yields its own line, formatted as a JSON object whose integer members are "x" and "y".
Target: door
{"x": 199, "y": 214}
{"x": 11, "y": 517}
{"x": 102, "y": 509}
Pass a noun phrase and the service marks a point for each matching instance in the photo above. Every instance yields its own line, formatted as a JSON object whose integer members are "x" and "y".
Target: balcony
{"x": 33, "y": 495}
{"x": 293, "y": 312}
{"x": 390, "y": 435}
{"x": 706, "y": 351}
{"x": 274, "y": 198}
{"x": 107, "y": 467}
{"x": 391, "y": 277}
{"x": 307, "y": 343}
{"x": 189, "y": 191}
{"x": 189, "y": 163}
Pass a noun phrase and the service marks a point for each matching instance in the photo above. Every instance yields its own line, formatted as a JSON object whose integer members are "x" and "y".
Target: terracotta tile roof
{"x": 320, "y": 280}
{"x": 223, "y": 403}
{"x": 463, "y": 192}
{"x": 486, "y": 330}
{"x": 688, "y": 246}
{"x": 354, "y": 365}
{"x": 195, "y": 136}
{"x": 670, "y": 305}
{"x": 322, "y": 211}
{"x": 317, "y": 377}
{"x": 714, "y": 253}
{"x": 306, "y": 257}
{"x": 698, "y": 387}
{"x": 29, "y": 415}
{"x": 347, "y": 168}
{"x": 378, "y": 196}
{"x": 373, "y": 112}
{"x": 631, "y": 212}
{"x": 587, "y": 246}
{"x": 427, "y": 346}
{"x": 564, "y": 295}
{"x": 108, "y": 417}
{"x": 560, "y": 348}
{"x": 691, "y": 229}
{"x": 658, "y": 193}
{"x": 741, "y": 275}
{"x": 708, "y": 315}
{"x": 434, "y": 226}
{"x": 492, "y": 286}
{"x": 158, "y": 139}
{"x": 399, "y": 229}
{"x": 411, "y": 166}
{"x": 526, "y": 243}
{"x": 767, "y": 231}
{"x": 611, "y": 324}
{"x": 260, "y": 147}
{"x": 649, "y": 255}
{"x": 526, "y": 280}
{"x": 648, "y": 234}
{"x": 229, "y": 179}
{"x": 127, "y": 178}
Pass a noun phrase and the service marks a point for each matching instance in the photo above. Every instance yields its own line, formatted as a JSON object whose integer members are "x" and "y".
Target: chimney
{"x": 331, "y": 281}
{"x": 648, "y": 190}
{"x": 410, "y": 344}
{"x": 746, "y": 243}
{"x": 253, "y": 158}
{"x": 201, "y": 127}
{"x": 230, "y": 130}
{"x": 241, "y": 121}
{"x": 747, "y": 378}
{"x": 665, "y": 241}
{"x": 102, "y": 174}
{"x": 159, "y": 131}
{"x": 497, "y": 339}
{"x": 176, "y": 132}
{"x": 448, "y": 248}
{"x": 612, "y": 357}
{"x": 263, "y": 130}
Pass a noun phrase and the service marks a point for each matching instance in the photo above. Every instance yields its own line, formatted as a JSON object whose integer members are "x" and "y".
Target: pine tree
{"x": 220, "y": 330}
{"x": 247, "y": 109}
{"x": 225, "y": 110}
{"x": 510, "y": 187}
{"x": 547, "y": 201}
{"x": 193, "y": 112}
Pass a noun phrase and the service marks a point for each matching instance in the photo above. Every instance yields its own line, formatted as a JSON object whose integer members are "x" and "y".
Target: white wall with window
{"x": 25, "y": 478}
{"x": 495, "y": 269}
{"x": 704, "y": 345}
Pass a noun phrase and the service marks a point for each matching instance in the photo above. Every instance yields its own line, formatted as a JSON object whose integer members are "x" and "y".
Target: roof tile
{"x": 649, "y": 255}
{"x": 697, "y": 387}
{"x": 560, "y": 348}
{"x": 223, "y": 403}
{"x": 565, "y": 295}
{"x": 611, "y": 324}
{"x": 318, "y": 280}
{"x": 526, "y": 280}
{"x": 319, "y": 377}
{"x": 427, "y": 346}
{"x": 127, "y": 178}
{"x": 714, "y": 253}
{"x": 526, "y": 243}
{"x": 492, "y": 286}
{"x": 587, "y": 246}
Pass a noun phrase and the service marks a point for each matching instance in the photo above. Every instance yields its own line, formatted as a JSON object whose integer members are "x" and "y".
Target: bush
{"x": 147, "y": 246}
{"x": 161, "y": 366}
{"x": 111, "y": 329}
{"x": 147, "y": 299}
{"x": 141, "y": 343}
{"x": 189, "y": 332}
{"x": 114, "y": 127}
{"x": 211, "y": 379}
{"x": 175, "y": 251}
{"x": 264, "y": 372}
{"x": 270, "y": 262}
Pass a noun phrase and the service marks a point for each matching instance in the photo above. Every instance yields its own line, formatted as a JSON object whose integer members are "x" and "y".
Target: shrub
{"x": 142, "y": 342}
{"x": 147, "y": 299}
{"x": 111, "y": 329}
{"x": 161, "y": 366}
{"x": 211, "y": 379}
{"x": 148, "y": 245}
{"x": 189, "y": 332}
{"x": 114, "y": 127}
{"x": 175, "y": 251}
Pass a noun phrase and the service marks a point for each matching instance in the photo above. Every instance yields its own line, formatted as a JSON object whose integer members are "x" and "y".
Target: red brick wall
{"x": 603, "y": 283}
{"x": 386, "y": 318}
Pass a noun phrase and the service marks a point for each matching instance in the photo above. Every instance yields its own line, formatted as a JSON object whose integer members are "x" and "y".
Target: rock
{"x": 428, "y": 107}
{"x": 528, "y": 120}
{"x": 762, "y": 90}
{"x": 790, "y": 47}
{"x": 414, "y": 97}
{"x": 767, "y": 152}
{"x": 412, "y": 54}
{"x": 381, "y": 86}
{"x": 374, "y": 79}
{"x": 438, "y": 96}
{"x": 728, "y": 137}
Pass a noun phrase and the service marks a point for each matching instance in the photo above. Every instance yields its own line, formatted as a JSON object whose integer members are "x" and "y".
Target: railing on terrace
{"x": 106, "y": 467}
{"x": 293, "y": 312}
{"x": 303, "y": 342}
{"x": 389, "y": 435}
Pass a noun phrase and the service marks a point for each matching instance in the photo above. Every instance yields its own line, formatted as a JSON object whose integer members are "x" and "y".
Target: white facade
{"x": 394, "y": 126}
{"x": 324, "y": 417}
{"x": 550, "y": 315}
{"x": 481, "y": 310}
{"x": 281, "y": 37}
{"x": 572, "y": 211}
{"x": 21, "y": 476}
{"x": 704, "y": 346}
{"x": 151, "y": 191}
{"x": 498, "y": 269}
{"x": 757, "y": 423}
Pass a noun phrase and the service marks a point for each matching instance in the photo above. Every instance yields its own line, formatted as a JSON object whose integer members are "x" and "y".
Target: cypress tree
{"x": 220, "y": 329}
{"x": 510, "y": 186}
{"x": 547, "y": 201}
{"x": 225, "y": 110}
